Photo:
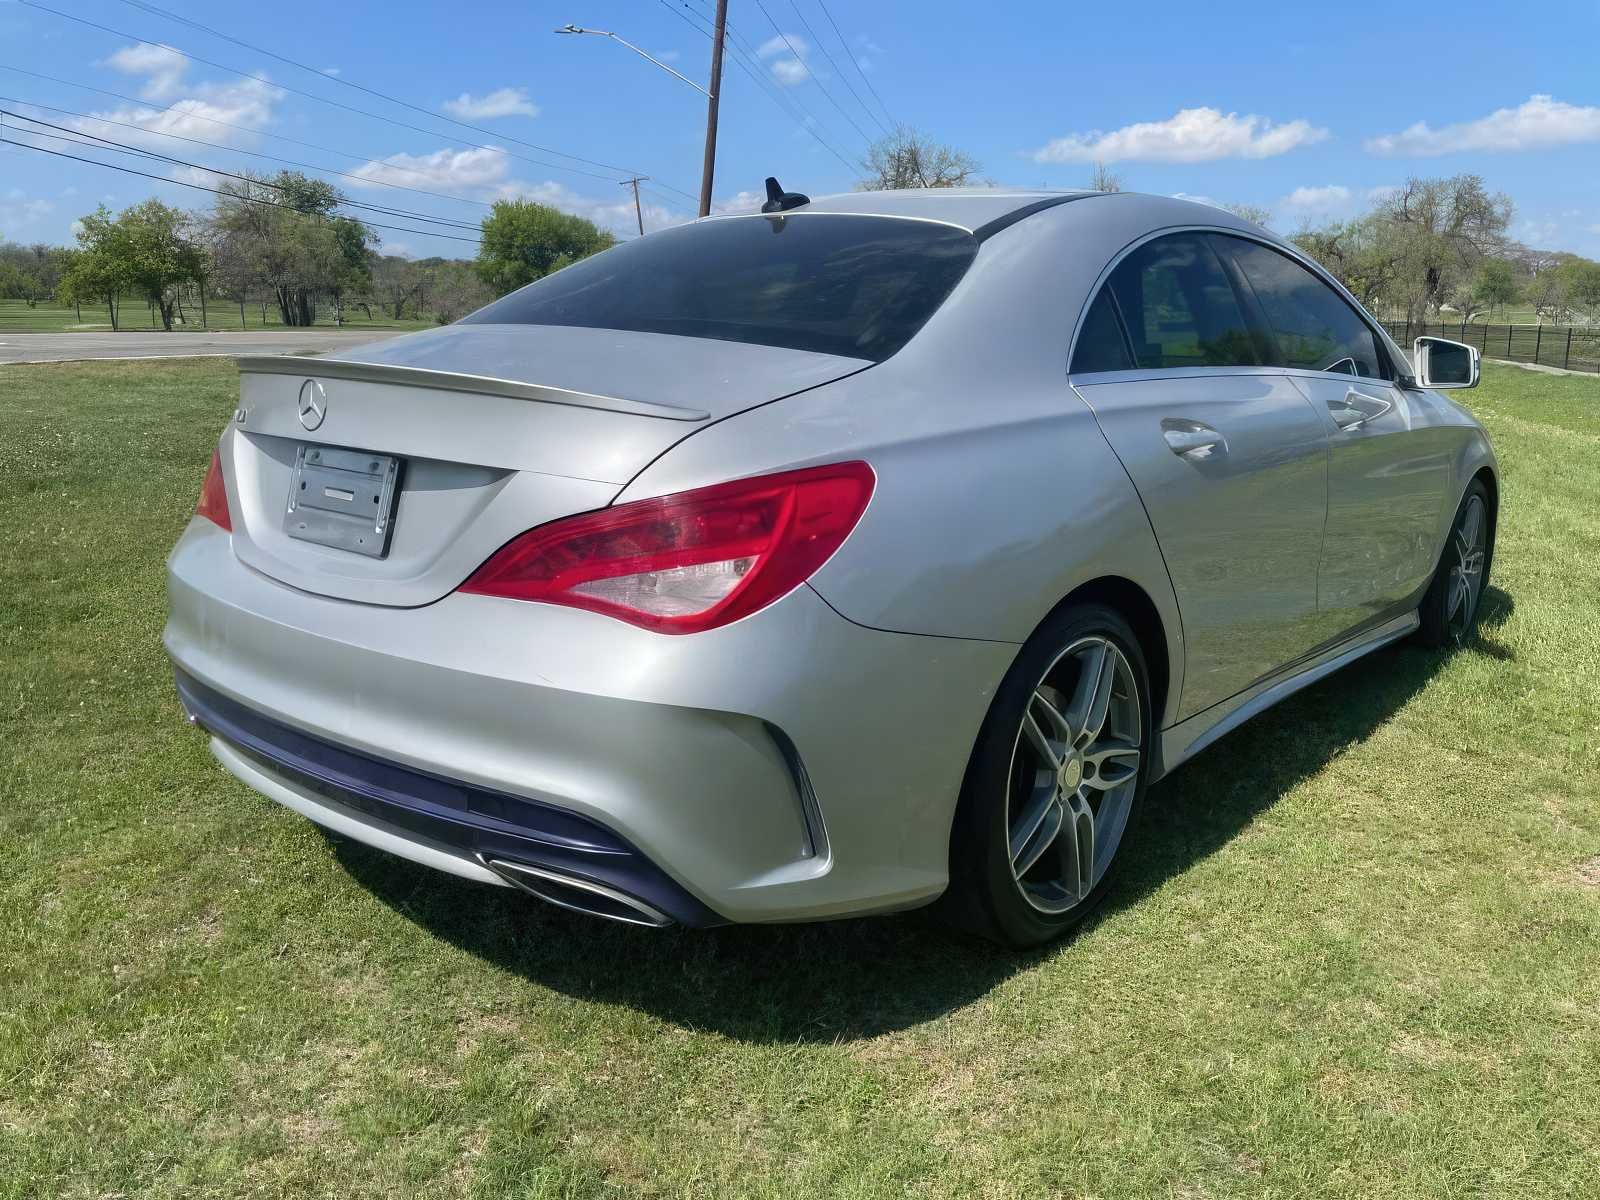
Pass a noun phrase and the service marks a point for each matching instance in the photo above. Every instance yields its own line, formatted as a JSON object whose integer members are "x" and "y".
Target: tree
{"x": 908, "y": 159}
{"x": 397, "y": 284}
{"x": 285, "y": 236}
{"x": 1253, "y": 213}
{"x": 523, "y": 241}
{"x": 1494, "y": 287}
{"x": 158, "y": 257}
{"x": 100, "y": 269}
{"x": 1104, "y": 179}
{"x": 1441, "y": 229}
{"x": 456, "y": 290}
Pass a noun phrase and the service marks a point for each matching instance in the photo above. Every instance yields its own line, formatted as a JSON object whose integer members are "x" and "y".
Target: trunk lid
{"x": 496, "y": 428}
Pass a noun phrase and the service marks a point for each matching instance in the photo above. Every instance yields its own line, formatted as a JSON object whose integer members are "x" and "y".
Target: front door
{"x": 1389, "y": 460}
{"x": 1229, "y": 457}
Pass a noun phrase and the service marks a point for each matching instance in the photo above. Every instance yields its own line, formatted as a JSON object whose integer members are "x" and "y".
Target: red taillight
{"x": 213, "y": 504}
{"x": 691, "y": 561}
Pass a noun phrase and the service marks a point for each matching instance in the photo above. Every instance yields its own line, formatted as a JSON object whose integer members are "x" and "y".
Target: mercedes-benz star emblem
{"x": 313, "y": 404}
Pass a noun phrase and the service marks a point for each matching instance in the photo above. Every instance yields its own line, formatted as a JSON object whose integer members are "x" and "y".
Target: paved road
{"x": 69, "y": 347}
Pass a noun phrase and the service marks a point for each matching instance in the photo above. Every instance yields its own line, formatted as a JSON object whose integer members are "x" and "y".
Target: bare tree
{"x": 1253, "y": 213}
{"x": 908, "y": 159}
{"x": 1104, "y": 179}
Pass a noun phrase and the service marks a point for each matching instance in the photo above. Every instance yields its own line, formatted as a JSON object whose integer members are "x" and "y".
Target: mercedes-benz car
{"x": 828, "y": 560}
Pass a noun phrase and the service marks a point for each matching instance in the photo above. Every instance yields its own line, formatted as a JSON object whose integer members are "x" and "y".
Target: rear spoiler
{"x": 456, "y": 381}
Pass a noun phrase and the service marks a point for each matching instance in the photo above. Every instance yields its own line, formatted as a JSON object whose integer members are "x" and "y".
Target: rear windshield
{"x": 854, "y": 286}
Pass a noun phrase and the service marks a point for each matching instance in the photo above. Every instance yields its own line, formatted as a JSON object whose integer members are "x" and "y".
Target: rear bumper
{"x": 439, "y": 822}
{"x": 789, "y": 766}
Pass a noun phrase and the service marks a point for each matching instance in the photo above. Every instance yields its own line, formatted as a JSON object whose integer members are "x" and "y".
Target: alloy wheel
{"x": 1468, "y": 543}
{"x": 1074, "y": 774}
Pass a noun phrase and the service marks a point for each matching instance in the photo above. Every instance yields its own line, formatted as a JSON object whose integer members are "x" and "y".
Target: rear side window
{"x": 1314, "y": 328}
{"x": 1101, "y": 346}
{"x": 1180, "y": 307}
{"x": 854, "y": 286}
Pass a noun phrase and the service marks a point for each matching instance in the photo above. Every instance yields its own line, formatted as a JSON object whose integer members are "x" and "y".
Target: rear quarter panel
{"x": 997, "y": 494}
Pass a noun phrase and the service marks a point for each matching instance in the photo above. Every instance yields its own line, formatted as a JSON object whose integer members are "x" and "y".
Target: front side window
{"x": 1312, "y": 325}
{"x": 848, "y": 285}
{"x": 1180, "y": 306}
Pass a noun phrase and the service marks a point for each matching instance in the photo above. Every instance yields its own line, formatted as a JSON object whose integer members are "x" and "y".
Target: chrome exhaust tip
{"x": 576, "y": 894}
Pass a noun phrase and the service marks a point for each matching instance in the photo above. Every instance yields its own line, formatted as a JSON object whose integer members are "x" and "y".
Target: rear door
{"x": 1388, "y": 467}
{"x": 1228, "y": 455}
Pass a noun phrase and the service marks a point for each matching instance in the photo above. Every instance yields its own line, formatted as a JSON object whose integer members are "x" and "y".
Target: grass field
{"x": 17, "y": 317}
{"x": 1355, "y": 953}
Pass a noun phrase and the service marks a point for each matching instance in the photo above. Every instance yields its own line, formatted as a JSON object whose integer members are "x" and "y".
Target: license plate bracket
{"x": 343, "y": 498}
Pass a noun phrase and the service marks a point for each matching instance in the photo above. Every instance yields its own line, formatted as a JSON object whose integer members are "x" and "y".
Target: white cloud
{"x": 1541, "y": 122}
{"x": 18, "y": 212}
{"x": 1191, "y": 135}
{"x": 776, "y": 45}
{"x": 333, "y": 72}
{"x": 790, "y": 71}
{"x": 1318, "y": 199}
{"x": 502, "y": 102}
{"x": 215, "y": 112}
{"x": 786, "y": 58}
{"x": 485, "y": 173}
{"x": 484, "y": 167}
{"x": 1376, "y": 195}
{"x": 615, "y": 215}
{"x": 746, "y": 201}
{"x": 162, "y": 67}
{"x": 668, "y": 56}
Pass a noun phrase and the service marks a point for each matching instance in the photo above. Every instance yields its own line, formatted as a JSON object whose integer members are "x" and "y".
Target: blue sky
{"x": 1308, "y": 117}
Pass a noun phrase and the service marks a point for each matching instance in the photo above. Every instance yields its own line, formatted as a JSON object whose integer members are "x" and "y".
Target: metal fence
{"x": 1570, "y": 347}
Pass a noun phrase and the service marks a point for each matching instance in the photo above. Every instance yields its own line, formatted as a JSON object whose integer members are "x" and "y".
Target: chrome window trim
{"x": 1402, "y": 374}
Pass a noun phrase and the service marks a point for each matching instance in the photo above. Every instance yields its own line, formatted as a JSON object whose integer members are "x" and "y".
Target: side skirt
{"x": 1187, "y": 738}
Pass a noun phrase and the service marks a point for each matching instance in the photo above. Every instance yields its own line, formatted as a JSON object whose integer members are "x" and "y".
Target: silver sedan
{"x": 836, "y": 559}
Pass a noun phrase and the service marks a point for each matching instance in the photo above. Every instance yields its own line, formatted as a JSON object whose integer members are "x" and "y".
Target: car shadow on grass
{"x": 846, "y": 980}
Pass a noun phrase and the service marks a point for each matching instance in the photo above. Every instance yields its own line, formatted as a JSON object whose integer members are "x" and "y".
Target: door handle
{"x": 1357, "y": 408}
{"x": 1192, "y": 439}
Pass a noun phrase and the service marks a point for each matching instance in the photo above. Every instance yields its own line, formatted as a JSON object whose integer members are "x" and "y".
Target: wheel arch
{"x": 1137, "y": 607}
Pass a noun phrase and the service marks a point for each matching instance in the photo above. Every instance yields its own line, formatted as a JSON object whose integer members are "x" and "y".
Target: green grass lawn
{"x": 16, "y": 316}
{"x": 1355, "y": 953}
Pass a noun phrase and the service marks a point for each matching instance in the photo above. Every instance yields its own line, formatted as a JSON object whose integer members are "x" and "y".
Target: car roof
{"x": 972, "y": 208}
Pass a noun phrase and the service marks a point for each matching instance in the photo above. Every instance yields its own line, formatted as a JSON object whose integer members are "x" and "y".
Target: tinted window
{"x": 1101, "y": 346}
{"x": 856, "y": 286}
{"x": 1180, "y": 308}
{"x": 1313, "y": 327}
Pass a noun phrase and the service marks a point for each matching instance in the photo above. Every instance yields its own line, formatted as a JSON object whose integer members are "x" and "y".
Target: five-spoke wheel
{"x": 1074, "y": 769}
{"x": 1055, "y": 780}
{"x": 1449, "y": 610}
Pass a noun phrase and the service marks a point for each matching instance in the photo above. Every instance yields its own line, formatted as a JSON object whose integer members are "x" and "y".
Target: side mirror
{"x": 1443, "y": 365}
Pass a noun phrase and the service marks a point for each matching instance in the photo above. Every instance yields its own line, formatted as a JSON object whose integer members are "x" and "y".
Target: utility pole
{"x": 637, "y": 211}
{"x": 718, "y": 34}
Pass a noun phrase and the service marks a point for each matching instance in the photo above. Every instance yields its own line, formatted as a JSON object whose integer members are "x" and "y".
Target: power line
{"x": 845, "y": 79}
{"x": 798, "y": 59}
{"x": 823, "y": 4}
{"x": 805, "y": 121}
{"x": 217, "y": 33}
{"x": 216, "y": 191}
{"x": 407, "y": 214}
{"x": 223, "y": 124}
{"x": 323, "y": 99}
{"x": 367, "y": 179}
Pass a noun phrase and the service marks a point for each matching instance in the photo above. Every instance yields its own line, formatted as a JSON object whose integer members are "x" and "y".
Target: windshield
{"x": 855, "y": 286}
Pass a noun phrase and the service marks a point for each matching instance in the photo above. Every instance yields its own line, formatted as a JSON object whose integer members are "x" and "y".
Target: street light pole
{"x": 710, "y": 168}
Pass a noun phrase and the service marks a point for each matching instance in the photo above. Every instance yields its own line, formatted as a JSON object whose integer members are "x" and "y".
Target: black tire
{"x": 1438, "y": 628}
{"x": 985, "y": 897}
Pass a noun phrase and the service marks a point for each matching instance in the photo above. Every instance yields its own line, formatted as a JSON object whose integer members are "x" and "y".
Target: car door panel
{"x": 1388, "y": 473}
{"x": 1232, "y": 470}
